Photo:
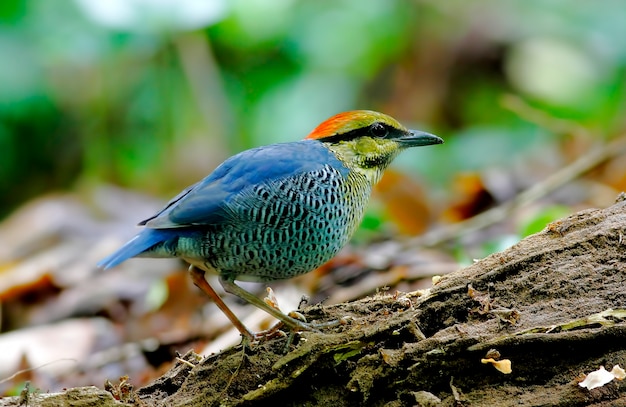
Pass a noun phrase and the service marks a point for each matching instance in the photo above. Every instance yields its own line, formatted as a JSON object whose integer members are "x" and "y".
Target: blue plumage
{"x": 137, "y": 245}
{"x": 276, "y": 211}
{"x": 212, "y": 202}
{"x": 206, "y": 203}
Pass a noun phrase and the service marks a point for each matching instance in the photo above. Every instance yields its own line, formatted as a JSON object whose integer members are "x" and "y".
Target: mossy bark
{"x": 553, "y": 305}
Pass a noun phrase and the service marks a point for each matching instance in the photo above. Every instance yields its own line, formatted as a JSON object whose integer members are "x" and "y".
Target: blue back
{"x": 206, "y": 202}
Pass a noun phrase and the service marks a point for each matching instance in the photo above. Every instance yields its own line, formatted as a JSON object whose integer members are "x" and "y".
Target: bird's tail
{"x": 137, "y": 245}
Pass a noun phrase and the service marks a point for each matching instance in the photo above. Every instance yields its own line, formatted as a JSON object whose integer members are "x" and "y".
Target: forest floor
{"x": 552, "y": 306}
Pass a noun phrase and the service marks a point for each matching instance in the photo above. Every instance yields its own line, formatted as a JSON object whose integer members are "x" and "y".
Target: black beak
{"x": 415, "y": 138}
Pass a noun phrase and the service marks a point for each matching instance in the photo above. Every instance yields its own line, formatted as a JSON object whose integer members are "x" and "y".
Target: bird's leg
{"x": 291, "y": 323}
{"x": 199, "y": 280}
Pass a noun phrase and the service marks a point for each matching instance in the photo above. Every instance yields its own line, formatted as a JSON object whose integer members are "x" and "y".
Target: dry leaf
{"x": 503, "y": 366}
{"x": 601, "y": 377}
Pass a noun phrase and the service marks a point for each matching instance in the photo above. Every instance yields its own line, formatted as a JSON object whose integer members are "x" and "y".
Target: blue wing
{"x": 206, "y": 202}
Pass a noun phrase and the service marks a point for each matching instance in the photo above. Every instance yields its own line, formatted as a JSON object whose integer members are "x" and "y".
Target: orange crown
{"x": 347, "y": 121}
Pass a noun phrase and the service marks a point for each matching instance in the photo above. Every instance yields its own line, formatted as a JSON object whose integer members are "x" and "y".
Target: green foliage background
{"x": 153, "y": 96}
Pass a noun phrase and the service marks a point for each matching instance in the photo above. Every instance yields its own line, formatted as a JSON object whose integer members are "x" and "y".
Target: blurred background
{"x": 110, "y": 108}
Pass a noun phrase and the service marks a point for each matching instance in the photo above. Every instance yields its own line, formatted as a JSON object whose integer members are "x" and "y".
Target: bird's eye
{"x": 378, "y": 130}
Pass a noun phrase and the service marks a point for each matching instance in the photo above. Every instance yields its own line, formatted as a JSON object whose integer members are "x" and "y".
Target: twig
{"x": 577, "y": 168}
{"x": 30, "y": 369}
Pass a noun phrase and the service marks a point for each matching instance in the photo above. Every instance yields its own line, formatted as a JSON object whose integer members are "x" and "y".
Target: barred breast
{"x": 284, "y": 228}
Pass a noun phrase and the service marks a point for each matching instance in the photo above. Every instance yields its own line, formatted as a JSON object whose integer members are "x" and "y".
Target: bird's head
{"x": 367, "y": 141}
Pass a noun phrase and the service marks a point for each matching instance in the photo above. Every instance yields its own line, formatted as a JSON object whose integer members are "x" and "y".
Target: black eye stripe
{"x": 378, "y": 130}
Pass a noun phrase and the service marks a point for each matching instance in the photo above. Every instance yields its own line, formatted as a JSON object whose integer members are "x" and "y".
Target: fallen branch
{"x": 552, "y": 306}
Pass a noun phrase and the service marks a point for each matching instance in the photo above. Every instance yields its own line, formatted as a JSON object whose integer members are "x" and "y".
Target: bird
{"x": 277, "y": 211}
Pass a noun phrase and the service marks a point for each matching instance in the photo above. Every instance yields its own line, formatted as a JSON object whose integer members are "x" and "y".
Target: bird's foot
{"x": 297, "y": 320}
{"x": 270, "y": 333}
{"x": 314, "y": 327}
{"x": 277, "y": 330}
{"x": 300, "y": 323}
{"x": 281, "y": 329}
{"x": 294, "y": 320}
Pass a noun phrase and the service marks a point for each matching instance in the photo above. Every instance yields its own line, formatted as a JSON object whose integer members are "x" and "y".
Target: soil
{"x": 553, "y": 305}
